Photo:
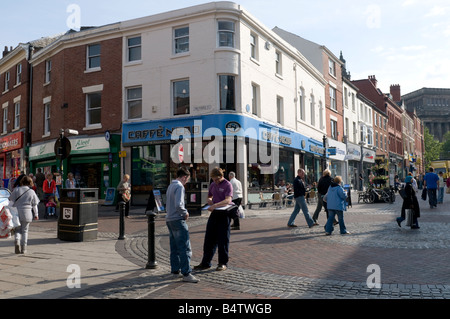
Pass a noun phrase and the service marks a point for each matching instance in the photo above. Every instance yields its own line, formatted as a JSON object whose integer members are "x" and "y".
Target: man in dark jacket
{"x": 300, "y": 202}
{"x": 322, "y": 188}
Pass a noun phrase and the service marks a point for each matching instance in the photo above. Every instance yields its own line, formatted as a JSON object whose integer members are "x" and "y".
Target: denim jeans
{"x": 300, "y": 203}
{"x": 441, "y": 195}
{"x": 432, "y": 197}
{"x": 180, "y": 247}
{"x": 329, "y": 225}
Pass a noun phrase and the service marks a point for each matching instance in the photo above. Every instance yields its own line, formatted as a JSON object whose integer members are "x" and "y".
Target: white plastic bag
{"x": 5, "y": 223}
{"x": 241, "y": 212}
{"x": 15, "y": 216}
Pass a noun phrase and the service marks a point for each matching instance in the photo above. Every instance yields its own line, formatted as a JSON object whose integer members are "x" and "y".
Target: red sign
{"x": 11, "y": 142}
{"x": 181, "y": 153}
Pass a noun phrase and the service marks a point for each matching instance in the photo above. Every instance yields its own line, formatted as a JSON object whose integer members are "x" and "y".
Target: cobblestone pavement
{"x": 271, "y": 261}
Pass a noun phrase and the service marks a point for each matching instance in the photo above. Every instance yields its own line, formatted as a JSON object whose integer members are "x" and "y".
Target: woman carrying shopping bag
{"x": 26, "y": 201}
{"x": 410, "y": 202}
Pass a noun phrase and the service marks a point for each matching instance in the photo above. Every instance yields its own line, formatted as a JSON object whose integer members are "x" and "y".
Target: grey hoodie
{"x": 27, "y": 203}
{"x": 175, "y": 201}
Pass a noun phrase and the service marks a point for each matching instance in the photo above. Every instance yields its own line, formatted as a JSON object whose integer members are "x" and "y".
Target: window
{"x": 347, "y": 129}
{"x": 254, "y": 46}
{"x": 181, "y": 97}
{"x": 94, "y": 107}
{"x": 354, "y": 132}
{"x": 47, "y": 118}
{"x": 345, "y": 98}
{"x": 181, "y": 40}
{"x": 334, "y": 131}
{"x": 48, "y": 71}
{"x": 312, "y": 110}
{"x": 255, "y": 99}
{"x": 134, "y": 103}
{"x": 93, "y": 56}
{"x": 7, "y": 77}
{"x": 19, "y": 74}
{"x": 5, "y": 119}
{"x": 226, "y": 33}
{"x": 226, "y": 92}
{"x": 321, "y": 126}
{"x": 279, "y": 110}
{"x": 302, "y": 104}
{"x": 134, "y": 49}
{"x": 333, "y": 98}
{"x": 331, "y": 67}
{"x": 17, "y": 115}
{"x": 278, "y": 63}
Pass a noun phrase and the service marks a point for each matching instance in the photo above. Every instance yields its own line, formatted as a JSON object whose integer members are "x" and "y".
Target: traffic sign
{"x": 63, "y": 148}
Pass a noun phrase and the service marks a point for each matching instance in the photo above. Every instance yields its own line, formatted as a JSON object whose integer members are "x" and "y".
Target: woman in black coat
{"x": 410, "y": 202}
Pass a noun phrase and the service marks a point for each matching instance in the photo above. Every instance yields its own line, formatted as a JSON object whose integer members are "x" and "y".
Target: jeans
{"x": 320, "y": 204}
{"x": 51, "y": 211}
{"x": 432, "y": 198}
{"x": 441, "y": 195}
{"x": 180, "y": 247}
{"x": 300, "y": 203}
{"x": 329, "y": 225}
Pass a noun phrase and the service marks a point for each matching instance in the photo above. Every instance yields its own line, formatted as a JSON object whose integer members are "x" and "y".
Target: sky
{"x": 404, "y": 42}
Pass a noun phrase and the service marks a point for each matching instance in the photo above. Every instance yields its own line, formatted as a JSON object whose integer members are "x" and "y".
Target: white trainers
{"x": 190, "y": 278}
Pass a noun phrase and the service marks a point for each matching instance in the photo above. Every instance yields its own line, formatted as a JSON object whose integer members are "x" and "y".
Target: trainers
{"x": 190, "y": 278}
{"x": 292, "y": 225}
{"x": 201, "y": 267}
{"x": 176, "y": 275}
{"x": 221, "y": 267}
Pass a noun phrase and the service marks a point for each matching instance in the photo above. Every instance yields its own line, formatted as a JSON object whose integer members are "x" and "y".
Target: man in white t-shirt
{"x": 237, "y": 197}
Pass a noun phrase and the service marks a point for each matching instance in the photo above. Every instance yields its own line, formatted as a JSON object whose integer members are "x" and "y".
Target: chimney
{"x": 5, "y": 51}
{"x": 373, "y": 80}
{"x": 395, "y": 92}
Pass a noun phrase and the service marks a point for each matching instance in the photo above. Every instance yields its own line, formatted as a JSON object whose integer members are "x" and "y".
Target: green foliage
{"x": 432, "y": 148}
{"x": 445, "y": 151}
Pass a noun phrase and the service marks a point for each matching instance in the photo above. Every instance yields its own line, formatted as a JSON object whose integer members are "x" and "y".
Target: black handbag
{"x": 424, "y": 194}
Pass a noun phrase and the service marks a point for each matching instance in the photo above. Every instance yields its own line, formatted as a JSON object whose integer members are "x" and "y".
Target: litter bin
{"x": 78, "y": 217}
{"x": 196, "y": 197}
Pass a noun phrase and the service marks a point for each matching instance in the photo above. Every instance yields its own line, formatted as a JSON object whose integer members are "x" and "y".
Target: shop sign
{"x": 11, "y": 142}
{"x": 353, "y": 152}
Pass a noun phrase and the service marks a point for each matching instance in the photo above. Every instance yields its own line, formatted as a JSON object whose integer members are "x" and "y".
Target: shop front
{"x": 337, "y": 161}
{"x": 354, "y": 162}
{"x": 11, "y": 157}
{"x": 94, "y": 161}
{"x": 264, "y": 156}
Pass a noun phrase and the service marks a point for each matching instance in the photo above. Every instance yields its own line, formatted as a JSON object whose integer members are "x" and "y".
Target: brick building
{"x": 77, "y": 85}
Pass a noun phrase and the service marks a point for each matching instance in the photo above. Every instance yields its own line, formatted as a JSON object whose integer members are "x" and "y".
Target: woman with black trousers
{"x": 410, "y": 202}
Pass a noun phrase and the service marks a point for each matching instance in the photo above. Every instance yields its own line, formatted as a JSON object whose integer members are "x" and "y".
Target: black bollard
{"x": 151, "y": 263}
{"x": 122, "y": 221}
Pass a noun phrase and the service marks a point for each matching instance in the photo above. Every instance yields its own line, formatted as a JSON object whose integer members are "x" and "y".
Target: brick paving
{"x": 271, "y": 261}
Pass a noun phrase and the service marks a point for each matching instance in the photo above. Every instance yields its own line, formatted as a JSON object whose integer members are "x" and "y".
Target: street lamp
{"x": 361, "y": 182}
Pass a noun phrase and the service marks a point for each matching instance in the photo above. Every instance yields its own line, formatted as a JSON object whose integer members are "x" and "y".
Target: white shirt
{"x": 237, "y": 188}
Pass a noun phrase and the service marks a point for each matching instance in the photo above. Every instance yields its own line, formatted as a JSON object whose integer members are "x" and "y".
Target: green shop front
{"x": 93, "y": 160}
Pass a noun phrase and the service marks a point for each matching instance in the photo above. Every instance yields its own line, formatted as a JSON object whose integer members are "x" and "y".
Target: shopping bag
{"x": 15, "y": 216}
{"x": 409, "y": 217}
{"x": 241, "y": 212}
{"x": 6, "y": 224}
{"x": 424, "y": 194}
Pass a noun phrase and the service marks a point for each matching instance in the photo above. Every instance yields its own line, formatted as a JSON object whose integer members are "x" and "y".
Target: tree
{"x": 445, "y": 151}
{"x": 432, "y": 148}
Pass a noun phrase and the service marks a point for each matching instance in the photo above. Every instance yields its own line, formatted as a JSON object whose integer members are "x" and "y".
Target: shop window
{"x": 149, "y": 167}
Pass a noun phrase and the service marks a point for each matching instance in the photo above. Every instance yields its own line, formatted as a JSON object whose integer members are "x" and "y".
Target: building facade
{"x": 77, "y": 85}
{"x": 432, "y": 106}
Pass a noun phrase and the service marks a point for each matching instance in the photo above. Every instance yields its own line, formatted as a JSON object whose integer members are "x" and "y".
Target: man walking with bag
{"x": 431, "y": 183}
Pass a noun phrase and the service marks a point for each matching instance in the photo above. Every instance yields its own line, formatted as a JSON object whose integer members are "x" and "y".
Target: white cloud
{"x": 436, "y": 11}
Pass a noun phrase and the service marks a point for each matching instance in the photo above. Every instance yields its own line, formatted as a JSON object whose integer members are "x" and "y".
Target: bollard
{"x": 122, "y": 221}
{"x": 151, "y": 263}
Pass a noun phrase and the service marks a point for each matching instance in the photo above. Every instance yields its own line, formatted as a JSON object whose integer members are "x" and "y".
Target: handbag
{"x": 409, "y": 217}
{"x": 447, "y": 191}
{"x": 126, "y": 196}
{"x": 424, "y": 194}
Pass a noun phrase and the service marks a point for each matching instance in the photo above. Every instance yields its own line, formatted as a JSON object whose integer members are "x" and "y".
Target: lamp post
{"x": 361, "y": 182}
